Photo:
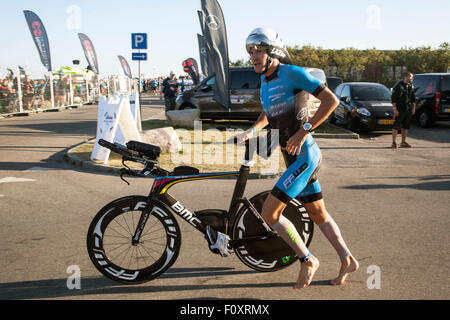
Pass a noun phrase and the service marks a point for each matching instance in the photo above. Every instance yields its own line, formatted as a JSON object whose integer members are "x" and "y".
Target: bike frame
{"x": 159, "y": 193}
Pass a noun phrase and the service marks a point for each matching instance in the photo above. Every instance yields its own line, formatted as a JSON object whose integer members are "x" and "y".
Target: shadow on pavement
{"x": 54, "y": 162}
{"x": 61, "y": 128}
{"x": 442, "y": 184}
{"x": 57, "y": 288}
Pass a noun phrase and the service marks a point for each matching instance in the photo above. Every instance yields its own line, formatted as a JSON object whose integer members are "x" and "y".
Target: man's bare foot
{"x": 307, "y": 271}
{"x": 348, "y": 265}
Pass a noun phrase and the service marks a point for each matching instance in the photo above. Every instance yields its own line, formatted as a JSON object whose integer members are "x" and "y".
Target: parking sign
{"x": 139, "y": 41}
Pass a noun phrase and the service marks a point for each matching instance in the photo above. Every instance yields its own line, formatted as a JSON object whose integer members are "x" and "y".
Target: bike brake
{"x": 122, "y": 172}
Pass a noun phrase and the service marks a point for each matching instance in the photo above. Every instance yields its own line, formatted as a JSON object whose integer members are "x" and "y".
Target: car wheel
{"x": 425, "y": 119}
{"x": 332, "y": 118}
{"x": 351, "y": 123}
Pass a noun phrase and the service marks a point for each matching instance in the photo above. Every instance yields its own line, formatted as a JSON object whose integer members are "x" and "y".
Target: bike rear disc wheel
{"x": 109, "y": 241}
{"x": 272, "y": 254}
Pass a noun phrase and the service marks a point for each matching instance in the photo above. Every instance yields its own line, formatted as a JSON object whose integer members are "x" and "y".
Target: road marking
{"x": 14, "y": 179}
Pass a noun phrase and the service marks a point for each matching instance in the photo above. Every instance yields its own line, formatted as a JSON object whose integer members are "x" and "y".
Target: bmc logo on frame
{"x": 185, "y": 214}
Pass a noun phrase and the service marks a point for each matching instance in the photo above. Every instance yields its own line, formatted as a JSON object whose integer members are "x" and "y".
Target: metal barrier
{"x": 21, "y": 93}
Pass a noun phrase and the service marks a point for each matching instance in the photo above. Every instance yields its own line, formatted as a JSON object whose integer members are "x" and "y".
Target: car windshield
{"x": 445, "y": 84}
{"x": 211, "y": 82}
{"x": 371, "y": 93}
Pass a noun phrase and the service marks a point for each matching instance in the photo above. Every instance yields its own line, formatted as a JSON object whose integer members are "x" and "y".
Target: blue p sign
{"x": 139, "y": 41}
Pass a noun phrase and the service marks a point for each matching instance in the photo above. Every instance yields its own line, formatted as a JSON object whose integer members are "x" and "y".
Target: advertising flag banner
{"x": 205, "y": 47}
{"x": 190, "y": 66}
{"x": 125, "y": 66}
{"x": 40, "y": 37}
{"x": 216, "y": 35}
{"x": 89, "y": 52}
{"x": 204, "y": 56}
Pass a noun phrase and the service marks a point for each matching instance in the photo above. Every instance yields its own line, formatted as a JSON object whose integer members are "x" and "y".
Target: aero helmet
{"x": 265, "y": 38}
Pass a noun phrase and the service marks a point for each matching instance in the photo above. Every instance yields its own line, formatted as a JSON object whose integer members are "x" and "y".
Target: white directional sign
{"x": 139, "y": 56}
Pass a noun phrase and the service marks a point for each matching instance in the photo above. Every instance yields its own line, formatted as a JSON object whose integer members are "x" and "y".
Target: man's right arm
{"x": 394, "y": 99}
{"x": 260, "y": 123}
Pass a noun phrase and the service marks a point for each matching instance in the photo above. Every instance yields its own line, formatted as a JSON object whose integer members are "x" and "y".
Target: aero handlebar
{"x": 128, "y": 154}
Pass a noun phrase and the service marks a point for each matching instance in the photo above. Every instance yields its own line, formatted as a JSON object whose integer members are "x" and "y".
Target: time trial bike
{"x": 136, "y": 238}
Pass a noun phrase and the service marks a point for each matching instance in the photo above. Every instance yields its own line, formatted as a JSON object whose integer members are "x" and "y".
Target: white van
{"x": 313, "y": 102}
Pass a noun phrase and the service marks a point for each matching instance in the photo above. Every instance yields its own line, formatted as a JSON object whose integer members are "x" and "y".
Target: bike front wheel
{"x": 110, "y": 246}
{"x": 271, "y": 254}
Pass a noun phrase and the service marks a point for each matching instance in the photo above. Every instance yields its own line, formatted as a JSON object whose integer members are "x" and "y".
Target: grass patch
{"x": 205, "y": 149}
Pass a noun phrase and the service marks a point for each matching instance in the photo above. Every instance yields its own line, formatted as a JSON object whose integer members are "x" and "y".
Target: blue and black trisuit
{"x": 284, "y": 101}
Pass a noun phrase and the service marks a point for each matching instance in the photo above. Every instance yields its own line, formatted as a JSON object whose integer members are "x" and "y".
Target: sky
{"x": 172, "y": 28}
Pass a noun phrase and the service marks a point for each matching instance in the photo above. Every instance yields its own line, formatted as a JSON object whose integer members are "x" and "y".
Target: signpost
{"x": 139, "y": 42}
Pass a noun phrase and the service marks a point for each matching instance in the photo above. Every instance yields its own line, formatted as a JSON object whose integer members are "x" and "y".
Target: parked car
{"x": 313, "y": 102}
{"x": 364, "y": 106}
{"x": 333, "y": 82}
{"x": 432, "y": 92}
{"x": 244, "y": 96}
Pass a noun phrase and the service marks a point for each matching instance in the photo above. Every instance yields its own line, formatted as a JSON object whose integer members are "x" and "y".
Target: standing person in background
{"x": 58, "y": 91}
{"x": 182, "y": 83}
{"x": 27, "y": 92}
{"x": 4, "y": 96}
{"x": 40, "y": 91}
{"x": 404, "y": 105}
{"x": 154, "y": 85}
{"x": 169, "y": 89}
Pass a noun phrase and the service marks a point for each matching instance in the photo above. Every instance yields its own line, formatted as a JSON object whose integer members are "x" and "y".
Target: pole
{"x": 139, "y": 91}
{"x": 52, "y": 95}
{"x": 19, "y": 91}
{"x": 71, "y": 90}
{"x": 87, "y": 89}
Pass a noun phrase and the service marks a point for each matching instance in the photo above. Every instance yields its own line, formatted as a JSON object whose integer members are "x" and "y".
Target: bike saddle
{"x": 148, "y": 150}
{"x": 185, "y": 170}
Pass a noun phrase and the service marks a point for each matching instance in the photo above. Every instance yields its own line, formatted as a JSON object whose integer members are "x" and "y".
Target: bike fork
{"x": 141, "y": 224}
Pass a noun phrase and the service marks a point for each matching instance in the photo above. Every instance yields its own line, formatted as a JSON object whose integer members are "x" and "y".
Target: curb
{"x": 347, "y": 135}
{"x": 72, "y": 159}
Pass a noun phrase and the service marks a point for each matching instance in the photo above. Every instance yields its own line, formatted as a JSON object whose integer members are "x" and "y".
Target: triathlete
{"x": 154, "y": 84}
{"x": 283, "y": 97}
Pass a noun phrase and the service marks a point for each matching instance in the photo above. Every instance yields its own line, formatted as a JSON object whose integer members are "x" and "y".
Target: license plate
{"x": 384, "y": 121}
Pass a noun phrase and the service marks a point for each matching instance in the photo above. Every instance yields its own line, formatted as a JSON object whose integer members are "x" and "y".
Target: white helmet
{"x": 265, "y": 38}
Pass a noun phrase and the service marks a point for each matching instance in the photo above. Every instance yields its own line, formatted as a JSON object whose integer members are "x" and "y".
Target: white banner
{"x": 107, "y": 121}
{"x": 115, "y": 123}
{"x": 127, "y": 129}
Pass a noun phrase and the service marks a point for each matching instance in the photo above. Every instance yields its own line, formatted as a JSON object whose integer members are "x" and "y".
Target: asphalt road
{"x": 391, "y": 206}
